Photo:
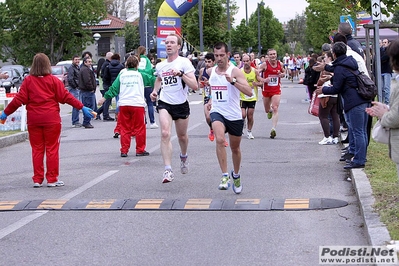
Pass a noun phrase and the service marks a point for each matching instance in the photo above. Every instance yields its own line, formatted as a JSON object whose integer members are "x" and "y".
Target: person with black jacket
{"x": 87, "y": 86}
{"x": 111, "y": 71}
{"x": 345, "y": 29}
{"x": 73, "y": 87}
{"x": 104, "y": 109}
{"x": 345, "y": 83}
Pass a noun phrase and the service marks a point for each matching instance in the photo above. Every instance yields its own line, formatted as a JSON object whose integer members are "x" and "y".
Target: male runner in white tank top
{"x": 227, "y": 81}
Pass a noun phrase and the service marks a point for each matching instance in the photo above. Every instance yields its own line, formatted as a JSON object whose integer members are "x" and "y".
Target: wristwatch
{"x": 181, "y": 73}
{"x": 234, "y": 81}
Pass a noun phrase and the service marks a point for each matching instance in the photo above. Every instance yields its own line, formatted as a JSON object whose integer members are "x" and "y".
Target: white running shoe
{"x": 335, "y": 140}
{"x": 224, "y": 183}
{"x": 184, "y": 166}
{"x": 153, "y": 125}
{"x": 167, "y": 176}
{"x": 250, "y": 136}
{"x": 326, "y": 141}
{"x": 55, "y": 184}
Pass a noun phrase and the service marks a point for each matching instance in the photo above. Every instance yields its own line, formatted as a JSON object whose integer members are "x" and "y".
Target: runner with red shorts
{"x": 272, "y": 72}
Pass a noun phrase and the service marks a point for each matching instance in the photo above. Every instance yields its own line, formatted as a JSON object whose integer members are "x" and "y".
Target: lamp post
{"x": 259, "y": 45}
{"x": 96, "y": 37}
{"x": 146, "y": 32}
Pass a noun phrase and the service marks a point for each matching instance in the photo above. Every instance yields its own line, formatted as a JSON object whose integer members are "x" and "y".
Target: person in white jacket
{"x": 130, "y": 86}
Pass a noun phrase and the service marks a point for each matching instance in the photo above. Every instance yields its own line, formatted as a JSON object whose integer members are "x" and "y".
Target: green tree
{"x": 132, "y": 36}
{"x": 296, "y": 30}
{"x": 56, "y": 28}
{"x": 271, "y": 30}
{"x": 395, "y": 18}
{"x": 214, "y": 23}
{"x": 322, "y": 19}
{"x": 242, "y": 37}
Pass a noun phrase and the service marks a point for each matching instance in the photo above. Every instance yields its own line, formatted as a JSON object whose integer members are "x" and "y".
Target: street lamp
{"x": 96, "y": 37}
{"x": 259, "y": 45}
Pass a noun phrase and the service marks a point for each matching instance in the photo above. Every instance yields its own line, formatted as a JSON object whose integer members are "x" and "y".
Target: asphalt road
{"x": 293, "y": 165}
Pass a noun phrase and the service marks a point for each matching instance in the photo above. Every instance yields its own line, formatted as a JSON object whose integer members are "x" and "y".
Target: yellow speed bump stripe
{"x": 8, "y": 205}
{"x": 148, "y": 204}
{"x": 100, "y": 204}
{"x": 296, "y": 204}
{"x": 206, "y": 204}
{"x": 50, "y": 204}
{"x": 198, "y": 204}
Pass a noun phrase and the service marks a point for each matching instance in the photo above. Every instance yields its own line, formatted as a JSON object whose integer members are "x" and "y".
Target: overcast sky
{"x": 283, "y": 10}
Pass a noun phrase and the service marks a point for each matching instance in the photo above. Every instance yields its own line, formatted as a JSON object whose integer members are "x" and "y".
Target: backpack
{"x": 366, "y": 87}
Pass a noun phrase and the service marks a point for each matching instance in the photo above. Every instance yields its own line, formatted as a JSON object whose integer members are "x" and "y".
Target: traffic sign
{"x": 376, "y": 9}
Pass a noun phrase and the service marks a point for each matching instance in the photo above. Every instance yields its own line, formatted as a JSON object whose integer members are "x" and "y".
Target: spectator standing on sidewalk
{"x": 87, "y": 86}
{"x": 42, "y": 93}
{"x": 345, "y": 83}
{"x": 145, "y": 66}
{"x": 386, "y": 72}
{"x": 104, "y": 109}
{"x": 389, "y": 116}
{"x": 73, "y": 86}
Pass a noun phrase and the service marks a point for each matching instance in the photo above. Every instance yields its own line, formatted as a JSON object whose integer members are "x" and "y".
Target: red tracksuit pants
{"x": 132, "y": 120}
{"x": 45, "y": 140}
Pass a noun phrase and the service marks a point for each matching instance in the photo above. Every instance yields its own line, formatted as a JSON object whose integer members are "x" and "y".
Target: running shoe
{"x": 273, "y": 133}
{"x": 250, "y": 136}
{"x": 37, "y": 185}
{"x": 224, "y": 182}
{"x": 183, "y": 165}
{"x": 211, "y": 136}
{"x": 326, "y": 141}
{"x": 270, "y": 114}
{"x": 335, "y": 140}
{"x": 56, "y": 184}
{"x": 237, "y": 187}
{"x": 154, "y": 125}
{"x": 167, "y": 176}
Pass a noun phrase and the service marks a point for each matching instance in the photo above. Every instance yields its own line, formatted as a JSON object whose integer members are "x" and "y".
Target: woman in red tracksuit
{"x": 42, "y": 92}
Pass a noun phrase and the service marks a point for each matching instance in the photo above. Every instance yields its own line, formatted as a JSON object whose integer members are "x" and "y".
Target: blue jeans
{"x": 88, "y": 100}
{"x": 386, "y": 86}
{"x": 357, "y": 123}
{"x": 150, "y": 104}
{"x": 75, "y": 112}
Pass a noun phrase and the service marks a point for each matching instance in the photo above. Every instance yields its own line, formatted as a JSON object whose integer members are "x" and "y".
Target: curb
{"x": 377, "y": 232}
{"x": 13, "y": 139}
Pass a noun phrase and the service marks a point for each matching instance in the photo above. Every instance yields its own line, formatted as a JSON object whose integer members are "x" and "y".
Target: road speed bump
{"x": 239, "y": 204}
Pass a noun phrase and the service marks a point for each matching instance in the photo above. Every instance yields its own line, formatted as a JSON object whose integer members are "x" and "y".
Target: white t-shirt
{"x": 174, "y": 90}
{"x": 225, "y": 97}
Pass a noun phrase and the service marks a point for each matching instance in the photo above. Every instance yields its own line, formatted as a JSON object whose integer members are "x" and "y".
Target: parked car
{"x": 66, "y": 63}
{"x": 14, "y": 80}
{"x": 61, "y": 72}
{"x": 22, "y": 70}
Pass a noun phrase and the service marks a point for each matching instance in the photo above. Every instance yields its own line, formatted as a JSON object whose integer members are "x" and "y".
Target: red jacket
{"x": 42, "y": 96}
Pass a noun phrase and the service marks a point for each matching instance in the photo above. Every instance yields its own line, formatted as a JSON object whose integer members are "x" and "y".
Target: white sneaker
{"x": 167, "y": 176}
{"x": 153, "y": 125}
{"x": 55, "y": 184}
{"x": 335, "y": 140}
{"x": 184, "y": 165}
{"x": 224, "y": 183}
{"x": 326, "y": 141}
{"x": 250, "y": 136}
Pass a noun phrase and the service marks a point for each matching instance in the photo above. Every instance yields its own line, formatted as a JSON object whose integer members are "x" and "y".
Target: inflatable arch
{"x": 169, "y": 21}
